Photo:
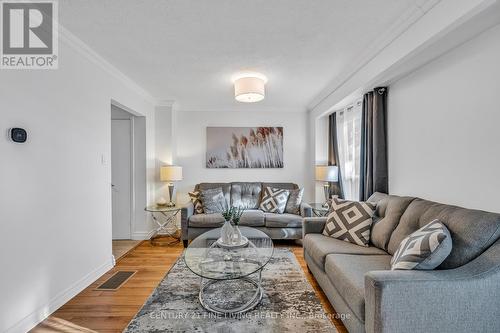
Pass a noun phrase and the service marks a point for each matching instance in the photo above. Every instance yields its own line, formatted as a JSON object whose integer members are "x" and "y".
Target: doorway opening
{"x": 128, "y": 178}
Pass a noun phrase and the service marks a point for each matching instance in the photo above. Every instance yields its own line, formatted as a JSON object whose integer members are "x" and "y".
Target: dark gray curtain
{"x": 374, "y": 171}
{"x": 333, "y": 155}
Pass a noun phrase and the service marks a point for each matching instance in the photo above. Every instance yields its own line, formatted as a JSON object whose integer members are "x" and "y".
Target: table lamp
{"x": 327, "y": 174}
{"x": 170, "y": 174}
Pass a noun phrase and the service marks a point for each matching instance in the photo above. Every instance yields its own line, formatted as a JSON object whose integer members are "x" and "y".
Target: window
{"x": 349, "y": 145}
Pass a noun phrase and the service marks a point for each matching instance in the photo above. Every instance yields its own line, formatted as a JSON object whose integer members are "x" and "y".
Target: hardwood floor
{"x": 111, "y": 311}
{"x": 123, "y": 246}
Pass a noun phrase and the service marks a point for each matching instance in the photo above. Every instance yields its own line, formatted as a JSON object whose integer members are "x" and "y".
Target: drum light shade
{"x": 170, "y": 173}
{"x": 327, "y": 173}
{"x": 250, "y": 88}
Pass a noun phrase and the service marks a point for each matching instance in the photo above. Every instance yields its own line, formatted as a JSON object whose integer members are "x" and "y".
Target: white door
{"x": 121, "y": 177}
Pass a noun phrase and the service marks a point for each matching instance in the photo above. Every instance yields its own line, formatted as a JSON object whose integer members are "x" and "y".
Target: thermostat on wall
{"x": 18, "y": 135}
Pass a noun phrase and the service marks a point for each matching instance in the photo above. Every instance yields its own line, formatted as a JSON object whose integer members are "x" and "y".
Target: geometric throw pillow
{"x": 294, "y": 201}
{"x": 350, "y": 221}
{"x": 213, "y": 201}
{"x": 196, "y": 200}
{"x": 274, "y": 200}
{"x": 423, "y": 249}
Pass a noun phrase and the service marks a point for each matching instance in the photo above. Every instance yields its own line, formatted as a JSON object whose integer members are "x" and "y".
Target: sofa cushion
{"x": 245, "y": 195}
{"x": 252, "y": 218}
{"x": 389, "y": 210}
{"x": 226, "y": 189}
{"x": 206, "y": 220}
{"x": 347, "y": 274}
{"x": 213, "y": 201}
{"x": 350, "y": 221}
{"x": 283, "y": 220}
{"x": 274, "y": 200}
{"x": 423, "y": 249}
{"x": 318, "y": 246}
{"x": 472, "y": 231}
{"x": 294, "y": 201}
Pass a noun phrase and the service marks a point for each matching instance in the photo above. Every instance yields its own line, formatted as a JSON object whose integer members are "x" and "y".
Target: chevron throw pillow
{"x": 349, "y": 221}
{"x": 196, "y": 200}
{"x": 274, "y": 200}
{"x": 423, "y": 249}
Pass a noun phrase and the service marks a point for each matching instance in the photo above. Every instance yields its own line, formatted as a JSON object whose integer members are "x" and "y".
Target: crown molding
{"x": 405, "y": 21}
{"x": 83, "y": 49}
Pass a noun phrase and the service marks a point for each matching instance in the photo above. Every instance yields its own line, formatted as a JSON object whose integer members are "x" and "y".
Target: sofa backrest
{"x": 244, "y": 194}
{"x": 472, "y": 231}
{"x": 389, "y": 210}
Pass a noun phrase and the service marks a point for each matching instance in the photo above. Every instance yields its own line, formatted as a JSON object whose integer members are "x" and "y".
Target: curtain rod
{"x": 350, "y": 106}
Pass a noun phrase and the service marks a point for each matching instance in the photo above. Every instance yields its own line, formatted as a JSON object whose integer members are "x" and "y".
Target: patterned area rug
{"x": 288, "y": 305}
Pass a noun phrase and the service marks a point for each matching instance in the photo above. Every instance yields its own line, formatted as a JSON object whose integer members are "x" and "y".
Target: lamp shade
{"x": 170, "y": 173}
{"x": 327, "y": 173}
{"x": 250, "y": 88}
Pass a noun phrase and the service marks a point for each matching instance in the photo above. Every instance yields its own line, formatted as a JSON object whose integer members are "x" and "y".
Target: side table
{"x": 165, "y": 218}
{"x": 319, "y": 210}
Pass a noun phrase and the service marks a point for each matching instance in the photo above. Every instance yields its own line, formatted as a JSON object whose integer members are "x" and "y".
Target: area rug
{"x": 288, "y": 305}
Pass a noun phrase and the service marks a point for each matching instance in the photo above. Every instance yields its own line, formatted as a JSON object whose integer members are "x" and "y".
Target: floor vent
{"x": 116, "y": 281}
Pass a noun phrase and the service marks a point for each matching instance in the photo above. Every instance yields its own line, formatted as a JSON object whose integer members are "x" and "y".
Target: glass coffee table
{"x": 230, "y": 278}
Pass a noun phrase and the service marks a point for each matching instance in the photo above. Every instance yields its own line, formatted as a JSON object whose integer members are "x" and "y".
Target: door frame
{"x": 140, "y": 187}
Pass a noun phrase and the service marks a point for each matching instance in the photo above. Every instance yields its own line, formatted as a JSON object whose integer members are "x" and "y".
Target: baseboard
{"x": 37, "y": 316}
{"x": 142, "y": 235}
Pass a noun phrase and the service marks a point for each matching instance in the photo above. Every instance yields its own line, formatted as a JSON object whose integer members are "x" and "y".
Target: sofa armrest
{"x": 305, "y": 210}
{"x": 457, "y": 300}
{"x": 313, "y": 225}
{"x": 186, "y": 212}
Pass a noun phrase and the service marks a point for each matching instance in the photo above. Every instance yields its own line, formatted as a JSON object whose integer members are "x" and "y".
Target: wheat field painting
{"x": 244, "y": 147}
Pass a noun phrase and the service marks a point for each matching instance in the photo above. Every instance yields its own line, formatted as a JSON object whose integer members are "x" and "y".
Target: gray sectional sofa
{"x": 245, "y": 195}
{"x": 461, "y": 295}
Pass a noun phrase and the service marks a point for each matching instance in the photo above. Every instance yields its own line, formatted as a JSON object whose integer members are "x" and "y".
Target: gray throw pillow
{"x": 424, "y": 249}
{"x": 274, "y": 200}
{"x": 294, "y": 201}
{"x": 349, "y": 221}
{"x": 213, "y": 201}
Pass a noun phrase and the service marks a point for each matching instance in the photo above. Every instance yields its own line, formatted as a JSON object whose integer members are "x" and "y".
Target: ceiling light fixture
{"x": 249, "y": 87}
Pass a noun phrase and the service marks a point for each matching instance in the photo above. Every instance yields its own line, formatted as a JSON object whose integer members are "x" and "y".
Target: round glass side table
{"x": 165, "y": 217}
{"x": 319, "y": 209}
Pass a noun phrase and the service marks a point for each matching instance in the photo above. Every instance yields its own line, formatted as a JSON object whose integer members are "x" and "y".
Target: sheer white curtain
{"x": 349, "y": 145}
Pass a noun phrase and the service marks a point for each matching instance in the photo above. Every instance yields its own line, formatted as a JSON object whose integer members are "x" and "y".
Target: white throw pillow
{"x": 424, "y": 249}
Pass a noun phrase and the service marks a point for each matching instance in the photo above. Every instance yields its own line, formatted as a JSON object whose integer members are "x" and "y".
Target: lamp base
{"x": 326, "y": 189}
{"x": 171, "y": 195}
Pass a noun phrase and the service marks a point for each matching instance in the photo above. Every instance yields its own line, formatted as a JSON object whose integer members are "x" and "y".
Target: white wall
{"x": 444, "y": 137}
{"x": 165, "y": 145}
{"x": 55, "y": 198}
{"x": 191, "y": 149}
{"x": 321, "y": 153}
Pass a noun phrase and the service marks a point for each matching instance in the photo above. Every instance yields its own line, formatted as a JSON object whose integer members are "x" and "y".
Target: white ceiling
{"x": 187, "y": 50}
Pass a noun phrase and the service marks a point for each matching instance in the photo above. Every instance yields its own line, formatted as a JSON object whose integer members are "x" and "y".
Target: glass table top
{"x": 206, "y": 259}
{"x": 156, "y": 208}
{"x": 318, "y": 206}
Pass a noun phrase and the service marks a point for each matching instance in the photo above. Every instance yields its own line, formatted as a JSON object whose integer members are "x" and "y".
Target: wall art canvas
{"x": 244, "y": 147}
